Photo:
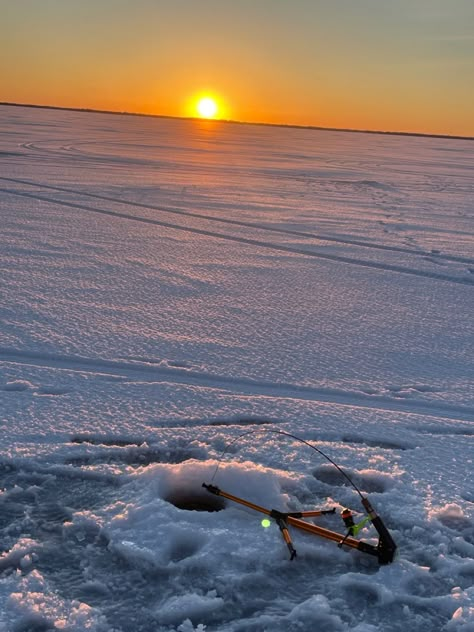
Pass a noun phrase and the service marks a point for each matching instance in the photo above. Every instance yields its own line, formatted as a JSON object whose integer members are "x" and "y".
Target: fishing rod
{"x": 385, "y": 549}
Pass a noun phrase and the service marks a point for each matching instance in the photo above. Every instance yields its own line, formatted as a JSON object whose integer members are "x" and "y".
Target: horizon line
{"x": 236, "y": 122}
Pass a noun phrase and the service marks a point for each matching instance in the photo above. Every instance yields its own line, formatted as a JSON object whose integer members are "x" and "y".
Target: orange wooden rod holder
{"x": 384, "y": 550}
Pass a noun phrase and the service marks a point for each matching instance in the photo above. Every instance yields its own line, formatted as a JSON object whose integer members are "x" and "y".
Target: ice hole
{"x": 192, "y": 500}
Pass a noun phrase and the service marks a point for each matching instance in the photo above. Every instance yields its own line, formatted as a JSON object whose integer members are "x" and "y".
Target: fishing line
{"x": 292, "y": 436}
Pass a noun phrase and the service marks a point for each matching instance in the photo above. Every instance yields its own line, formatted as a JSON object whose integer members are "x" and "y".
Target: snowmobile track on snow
{"x": 294, "y": 250}
{"x": 154, "y": 373}
{"x": 246, "y": 224}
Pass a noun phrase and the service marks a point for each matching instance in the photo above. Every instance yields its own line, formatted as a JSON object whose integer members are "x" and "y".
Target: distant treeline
{"x": 314, "y": 127}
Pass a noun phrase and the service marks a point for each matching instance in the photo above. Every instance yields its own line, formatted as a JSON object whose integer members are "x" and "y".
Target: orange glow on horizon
{"x": 162, "y": 61}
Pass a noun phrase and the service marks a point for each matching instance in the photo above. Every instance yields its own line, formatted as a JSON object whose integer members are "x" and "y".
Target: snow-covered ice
{"x": 170, "y": 287}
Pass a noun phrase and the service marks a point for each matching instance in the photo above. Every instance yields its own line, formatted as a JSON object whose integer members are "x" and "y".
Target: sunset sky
{"x": 398, "y": 65}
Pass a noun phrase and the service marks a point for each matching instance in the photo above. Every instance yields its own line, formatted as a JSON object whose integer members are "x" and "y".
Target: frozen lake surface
{"x": 168, "y": 285}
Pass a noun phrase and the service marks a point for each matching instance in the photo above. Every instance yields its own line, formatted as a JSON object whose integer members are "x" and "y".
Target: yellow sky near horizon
{"x": 404, "y": 66}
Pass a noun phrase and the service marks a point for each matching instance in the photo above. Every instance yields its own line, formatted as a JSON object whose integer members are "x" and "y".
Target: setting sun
{"x": 207, "y": 107}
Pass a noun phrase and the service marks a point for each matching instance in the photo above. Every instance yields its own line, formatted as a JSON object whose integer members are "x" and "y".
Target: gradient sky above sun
{"x": 398, "y": 65}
